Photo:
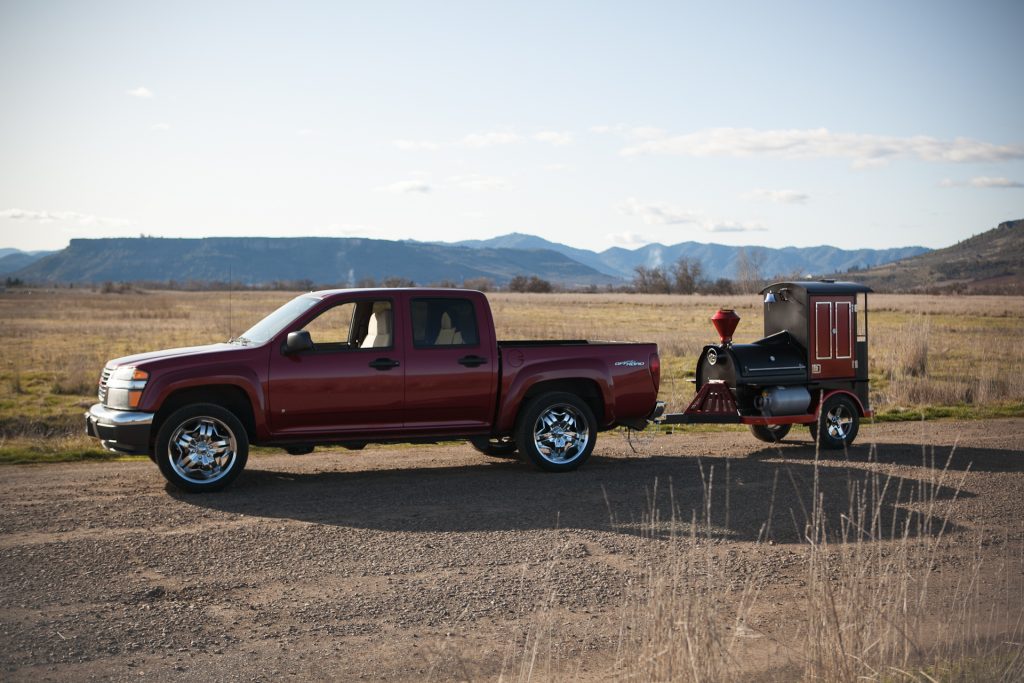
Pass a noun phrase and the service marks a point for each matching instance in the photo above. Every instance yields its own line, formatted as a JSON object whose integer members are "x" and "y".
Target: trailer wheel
{"x": 496, "y": 448}
{"x": 838, "y": 423}
{"x": 201, "y": 447}
{"x": 770, "y": 433}
{"x": 556, "y": 431}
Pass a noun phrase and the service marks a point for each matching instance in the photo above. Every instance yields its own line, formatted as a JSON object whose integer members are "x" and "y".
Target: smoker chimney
{"x": 725, "y": 322}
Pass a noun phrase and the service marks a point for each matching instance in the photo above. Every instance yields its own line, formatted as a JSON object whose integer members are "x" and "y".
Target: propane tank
{"x": 783, "y": 401}
{"x": 725, "y": 322}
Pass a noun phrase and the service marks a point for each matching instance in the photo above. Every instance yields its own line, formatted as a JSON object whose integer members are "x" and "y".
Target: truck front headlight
{"x": 124, "y": 389}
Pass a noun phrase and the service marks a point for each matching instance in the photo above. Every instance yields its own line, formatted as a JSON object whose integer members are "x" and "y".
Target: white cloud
{"x": 160, "y": 126}
{"x": 657, "y": 213}
{"x": 409, "y": 187}
{"x": 778, "y": 196}
{"x": 556, "y": 167}
{"x": 347, "y": 230}
{"x": 734, "y": 227}
{"x": 862, "y": 149}
{"x": 983, "y": 181}
{"x": 60, "y": 217}
{"x": 490, "y": 139}
{"x": 141, "y": 92}
{"x": 660, "y": 213}
{"x": 553, "y": 137}
{"x": 628, "y": 239}
{"x": 409, "y": 145}
{"x": 477, "y": 182}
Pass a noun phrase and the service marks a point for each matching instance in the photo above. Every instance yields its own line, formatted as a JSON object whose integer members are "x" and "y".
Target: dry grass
{"x": 926, "y": 350}
{"x": 875, "y": 605}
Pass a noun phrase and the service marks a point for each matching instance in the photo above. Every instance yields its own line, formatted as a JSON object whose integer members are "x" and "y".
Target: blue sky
{"x": 593, "y": 124}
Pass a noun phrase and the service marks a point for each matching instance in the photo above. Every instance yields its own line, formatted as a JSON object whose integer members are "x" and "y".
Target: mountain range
{"x": 718, "y": 260}
{"x": 324, "y": 260}
{"x": 991, "y": 262}
{"x": 12, "y": 260}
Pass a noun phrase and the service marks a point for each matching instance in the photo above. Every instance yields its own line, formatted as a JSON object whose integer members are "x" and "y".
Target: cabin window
{"x": 443, "y": 322}
{"x": 363, "y": 324}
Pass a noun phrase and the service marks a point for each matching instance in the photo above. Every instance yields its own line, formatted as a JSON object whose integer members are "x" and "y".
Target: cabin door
{"x": 832, "y": 335}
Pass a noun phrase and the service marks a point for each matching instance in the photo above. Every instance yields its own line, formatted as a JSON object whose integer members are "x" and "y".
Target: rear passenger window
{"x": 443, "y": 322}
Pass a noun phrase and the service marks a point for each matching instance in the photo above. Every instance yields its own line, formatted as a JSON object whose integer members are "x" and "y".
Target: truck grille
{"x": 104, "y": 378}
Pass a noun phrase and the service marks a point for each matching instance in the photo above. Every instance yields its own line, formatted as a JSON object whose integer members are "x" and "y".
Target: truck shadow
{"x": 762, "y": 496}
{"x": 929, "y": 457}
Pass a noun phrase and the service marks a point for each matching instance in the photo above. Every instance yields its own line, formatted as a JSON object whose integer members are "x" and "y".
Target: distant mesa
{"x": 987, "y": 262}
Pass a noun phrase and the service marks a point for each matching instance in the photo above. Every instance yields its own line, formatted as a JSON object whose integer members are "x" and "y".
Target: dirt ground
{"x": 408, "y": 563}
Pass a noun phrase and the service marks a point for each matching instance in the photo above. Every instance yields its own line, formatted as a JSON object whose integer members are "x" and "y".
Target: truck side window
{"x": 331, "y": 328}
{"x": 443, "y": 322}
{"x": 352, "y": 325}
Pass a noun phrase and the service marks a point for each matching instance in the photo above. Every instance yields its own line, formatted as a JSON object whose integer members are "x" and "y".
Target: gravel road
{"x": 407, "y": 563}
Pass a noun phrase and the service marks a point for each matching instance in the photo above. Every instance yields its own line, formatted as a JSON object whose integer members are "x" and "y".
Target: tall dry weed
{"x": 878, "y": 603}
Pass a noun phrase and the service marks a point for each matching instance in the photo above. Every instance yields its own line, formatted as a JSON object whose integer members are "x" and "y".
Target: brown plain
{"x": 692, "y": 556}
{"x": 926, "y": 350}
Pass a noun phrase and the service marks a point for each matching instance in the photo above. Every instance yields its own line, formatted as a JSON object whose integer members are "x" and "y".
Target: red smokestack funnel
{"x": 725, "y": 322}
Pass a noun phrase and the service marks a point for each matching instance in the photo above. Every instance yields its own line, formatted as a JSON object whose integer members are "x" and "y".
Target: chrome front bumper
{"x": 121, "y": 431}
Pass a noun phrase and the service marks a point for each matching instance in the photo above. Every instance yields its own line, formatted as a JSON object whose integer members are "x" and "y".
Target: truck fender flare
{"x": 594, "y": 371}
{"x": 241, "y": 377}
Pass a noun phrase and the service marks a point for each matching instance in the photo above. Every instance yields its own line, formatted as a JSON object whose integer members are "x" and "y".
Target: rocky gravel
{"x": 412, "y": 563}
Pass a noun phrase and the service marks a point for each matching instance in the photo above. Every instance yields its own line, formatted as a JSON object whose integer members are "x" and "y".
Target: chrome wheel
{"x": 202, "y": 450}
{"x": 839, "y": 422}
{"x": 561, "y": 434}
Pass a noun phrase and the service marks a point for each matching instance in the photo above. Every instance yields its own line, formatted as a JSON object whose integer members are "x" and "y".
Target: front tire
{"x": 556, "y": 431}
{"x": 201, "y": 447}
{"x": 838, "y": 423}
{"x": 770, "y": 433}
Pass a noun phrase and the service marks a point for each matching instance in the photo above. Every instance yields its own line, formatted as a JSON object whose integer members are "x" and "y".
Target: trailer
{"x": 810, "y": 368}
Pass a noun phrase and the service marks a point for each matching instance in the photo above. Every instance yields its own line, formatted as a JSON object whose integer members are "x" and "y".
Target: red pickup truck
{"x": 354, "y": 366}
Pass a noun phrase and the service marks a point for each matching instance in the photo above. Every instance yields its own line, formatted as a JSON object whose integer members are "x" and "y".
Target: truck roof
{"x": 436, "y": 291}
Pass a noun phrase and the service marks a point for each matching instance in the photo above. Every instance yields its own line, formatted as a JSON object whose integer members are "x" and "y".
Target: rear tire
{"x": 495, "y": 448}
{"x": 770, "y": 433}
{"x": 201, "y": 447}
{"x": 556, "y": 431}
{"x": 838, "y": 423}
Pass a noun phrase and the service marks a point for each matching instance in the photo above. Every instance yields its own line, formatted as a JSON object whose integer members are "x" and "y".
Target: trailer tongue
{"x": 811, "y": 367}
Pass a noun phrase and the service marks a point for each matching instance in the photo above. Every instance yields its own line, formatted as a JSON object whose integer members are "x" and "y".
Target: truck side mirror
{"x": 298, "y": 342}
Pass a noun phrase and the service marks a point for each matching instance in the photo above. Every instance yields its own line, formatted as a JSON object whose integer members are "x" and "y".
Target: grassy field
{"x": 931, "y": 356}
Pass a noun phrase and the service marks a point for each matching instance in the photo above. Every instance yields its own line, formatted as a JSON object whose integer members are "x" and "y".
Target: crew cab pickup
{"x": 353, "y": 366}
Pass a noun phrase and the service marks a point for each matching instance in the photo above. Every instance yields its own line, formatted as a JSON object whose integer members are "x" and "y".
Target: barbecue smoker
{"x": 810, "y": 368}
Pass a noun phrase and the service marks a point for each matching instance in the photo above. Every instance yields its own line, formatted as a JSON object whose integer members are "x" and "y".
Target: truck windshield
{"x": 265, "y": 329}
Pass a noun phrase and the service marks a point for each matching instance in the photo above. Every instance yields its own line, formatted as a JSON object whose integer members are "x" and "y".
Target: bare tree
{"x": 749, "y": 265}
{"x": 481, "y": 284}
{"x": 520, "y": 283}
{"x": 688, "y": 274}
{"x": 651, "y": 280}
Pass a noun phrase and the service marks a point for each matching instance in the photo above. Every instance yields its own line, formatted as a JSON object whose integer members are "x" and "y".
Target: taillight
{"x": 655, "y": 366}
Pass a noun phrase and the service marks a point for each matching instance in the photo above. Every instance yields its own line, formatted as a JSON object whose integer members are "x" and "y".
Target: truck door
{"x": 451, "y": 371}
{"x": 831, "y": 338}
{"x": 351, "y": 381}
